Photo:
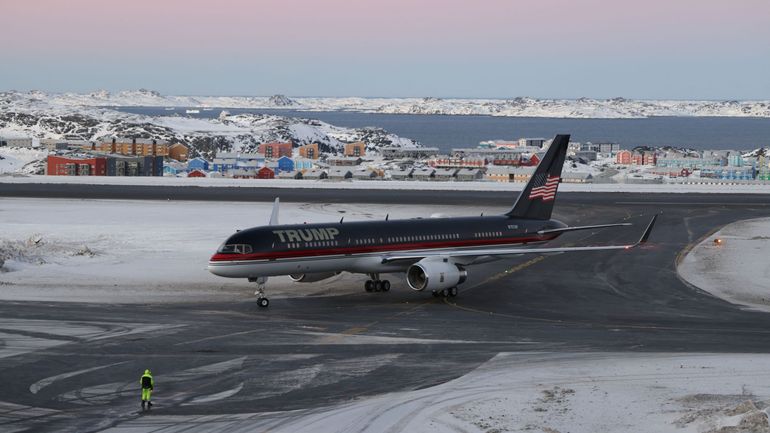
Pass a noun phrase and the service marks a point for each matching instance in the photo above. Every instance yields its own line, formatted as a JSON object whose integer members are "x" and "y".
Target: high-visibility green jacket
{"x": 146, "y": 381}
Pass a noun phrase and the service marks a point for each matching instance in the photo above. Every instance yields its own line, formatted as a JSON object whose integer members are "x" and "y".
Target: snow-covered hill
{"x": 59, "y": 117}
{"x": 521, "y": 106}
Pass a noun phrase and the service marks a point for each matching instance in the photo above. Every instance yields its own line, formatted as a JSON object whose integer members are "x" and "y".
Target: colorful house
{"x": 285, "y": 164}
{"x": 196, "y": 173}
{"x": 275, "y": 150}
{"x": 265, "y": 173}
{"x": 309, "y": 151}
{"x": 198, "y": 164}
{"x": 302, "y": 164}
{"x": 355, "y": 149}
{"x": 63, "y": 166}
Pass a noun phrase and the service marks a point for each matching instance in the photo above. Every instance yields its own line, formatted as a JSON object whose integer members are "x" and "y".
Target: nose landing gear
{"x": 262, "y": 300}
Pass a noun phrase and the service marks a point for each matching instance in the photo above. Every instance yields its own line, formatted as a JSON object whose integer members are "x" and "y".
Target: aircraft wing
{"x": 511, "y": 251}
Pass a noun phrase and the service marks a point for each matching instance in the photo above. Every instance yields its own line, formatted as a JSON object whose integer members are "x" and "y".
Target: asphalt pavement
{"x": 76, "y": 367}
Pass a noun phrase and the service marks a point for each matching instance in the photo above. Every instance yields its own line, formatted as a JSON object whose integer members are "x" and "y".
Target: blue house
{"x": 285, "y": 164}
{"x": 226, "y": 161}
{"x": 303, "y": 164}
{"x": 169, "y": 170}
{"x": 198, "y": 164}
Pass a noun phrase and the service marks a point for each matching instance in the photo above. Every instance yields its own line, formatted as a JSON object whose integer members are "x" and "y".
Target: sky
{"x": 651, "y": 49}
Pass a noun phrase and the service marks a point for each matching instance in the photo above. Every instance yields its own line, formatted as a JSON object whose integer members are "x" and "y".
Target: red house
{"x": 265, "y": 173}
{"x": 72, "y": 166}
{"x": 275, "y": 150}
{"x": 196, "y": 173}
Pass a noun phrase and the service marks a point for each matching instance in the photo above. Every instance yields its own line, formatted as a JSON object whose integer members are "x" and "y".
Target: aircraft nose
{"x": 214, "y": 267}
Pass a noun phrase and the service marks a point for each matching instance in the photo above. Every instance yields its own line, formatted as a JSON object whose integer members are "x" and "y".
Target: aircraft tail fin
{"x": 537, "y": 199}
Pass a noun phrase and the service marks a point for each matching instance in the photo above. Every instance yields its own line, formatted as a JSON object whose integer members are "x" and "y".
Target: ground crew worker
{"x": 147, "y": 386}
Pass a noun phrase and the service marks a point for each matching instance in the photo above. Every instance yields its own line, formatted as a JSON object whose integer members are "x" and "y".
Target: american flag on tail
{"x": 544, "y": 187}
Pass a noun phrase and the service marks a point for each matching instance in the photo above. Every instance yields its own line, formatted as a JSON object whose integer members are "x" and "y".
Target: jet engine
{"x": 311, "y": 278}
{"x": 434, "y": 273}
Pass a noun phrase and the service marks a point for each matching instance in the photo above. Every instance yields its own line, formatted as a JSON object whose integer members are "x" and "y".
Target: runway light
{"x": 717, "y": 242}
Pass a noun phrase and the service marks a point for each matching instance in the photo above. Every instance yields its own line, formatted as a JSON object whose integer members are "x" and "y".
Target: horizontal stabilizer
{"x": 572, "y": 229}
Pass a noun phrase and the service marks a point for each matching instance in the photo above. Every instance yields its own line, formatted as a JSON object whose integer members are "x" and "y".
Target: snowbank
{"x": 151, "y": 251}
{"x": 738, "y": 270}
{"x": 564, "y": 392}
{"x": 757, "y": 188}
{"x": 13, "y": 159}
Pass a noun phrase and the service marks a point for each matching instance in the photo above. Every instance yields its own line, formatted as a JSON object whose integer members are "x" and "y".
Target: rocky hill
{"x": 35, "y": 114}
{"x": 514, "y": 107}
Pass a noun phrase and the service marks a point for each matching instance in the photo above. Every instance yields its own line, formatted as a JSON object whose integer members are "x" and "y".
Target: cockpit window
{"x": 234, "y": 249}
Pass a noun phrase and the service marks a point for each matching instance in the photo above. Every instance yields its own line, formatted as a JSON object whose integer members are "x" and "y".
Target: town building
{"x": 728, "y": 173}
{"x": 56, "y": 144}
{"x": 532, "y": 142}
{"x": 512, "y": 156}
{"x": 522, "y": 174}
{"x": 444, "y": 174}
{"x": 347, "y": 161}
{"x": 340, "y": 173}
{"x": 603, "y": 148}
{"x": 315, "y": 174}
{"x": 122, "y": 165}
{"x": 365, "y": 174}
{"x": 303, "y": 164}
{"x": 178, "y": 151}
{"x": 76, "y": 166}
{"x": 138, "y": 147}
{"x": 265, "y": 173}
{"x": 290, "y": 175}
{"x": 499, "y": 173}
{"x": 393, "y": 152}
{"x": 469, "y": 174}
{"x": 576, "y": 177}
{"x": 691, "y": 163}
{"x": 16, "y": 142}
{"x": 423, "y": 174}
{"x": 401, "y": 174}
{"x": 586, "y": 155}
{"x": 174, "y": 168}
{"x": 240, "y": 173}
{"x": 225, "y": 161}
{"x": 355, "y": 149}
{"x": 285, "y": 163}
{"x": 309, "y": 151}
{"x": 275, "y": 150}
{"x": 644, "y": 158}
{"x": 198, "y": 164}
{"x": 623, "y": 157}
{"x": 457, "y": 162}
{"x": 196, "y": 173}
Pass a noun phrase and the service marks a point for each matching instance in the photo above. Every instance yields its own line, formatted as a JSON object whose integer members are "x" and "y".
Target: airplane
{"x": 433, "y": 253}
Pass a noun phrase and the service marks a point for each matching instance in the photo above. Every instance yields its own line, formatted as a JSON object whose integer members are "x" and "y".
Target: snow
{"x": 540, "y": 392}
{"x": 521, "y": 106}
{"x": 13, "y": 159}
{"x": 57, "y": 250}
{"x": 678, "y": 188}
{"x": 738, "y": 270}
{"x": 72, "y": 116}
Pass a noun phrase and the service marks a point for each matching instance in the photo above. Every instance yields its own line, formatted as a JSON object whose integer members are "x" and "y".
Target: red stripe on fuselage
{"x": 361, "y": 249}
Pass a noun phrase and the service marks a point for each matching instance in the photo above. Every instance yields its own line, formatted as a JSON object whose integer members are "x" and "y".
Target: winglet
{"x": 274, "y": 214}
{"x": 648, "y": 230}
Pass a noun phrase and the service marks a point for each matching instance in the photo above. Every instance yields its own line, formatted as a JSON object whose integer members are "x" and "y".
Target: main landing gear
{"x": 262, "y": 300}
{"x": 376, "y": 285}
{"x": 446, "y": 293}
